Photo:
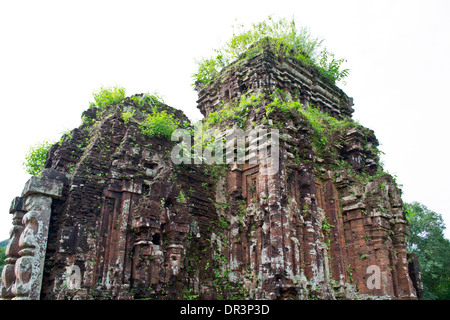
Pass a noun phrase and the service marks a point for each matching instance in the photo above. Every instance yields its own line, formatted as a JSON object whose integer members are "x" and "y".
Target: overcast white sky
{"x": 54, "y": 54}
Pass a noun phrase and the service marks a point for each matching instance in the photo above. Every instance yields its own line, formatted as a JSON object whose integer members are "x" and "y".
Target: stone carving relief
{"x": 28, "y": 242}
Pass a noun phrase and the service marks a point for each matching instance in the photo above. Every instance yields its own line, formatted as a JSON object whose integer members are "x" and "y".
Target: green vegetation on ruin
{"x": 153, "y": 122}
{"x": 277, "y": 108}
{"x": 159, "y": 124}
{"x": 285, "y": 39}
{"x": 107, "y": 96}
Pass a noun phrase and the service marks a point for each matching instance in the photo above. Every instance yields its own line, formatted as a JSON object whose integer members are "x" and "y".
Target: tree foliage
{"x": 427, "y": 241}
{"x": 285, "y": 39}
{"x": 35, "y": 158}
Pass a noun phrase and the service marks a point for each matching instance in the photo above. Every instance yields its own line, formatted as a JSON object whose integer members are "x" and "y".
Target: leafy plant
{"x": 326, "y": 225}
{"x": 350, "y": 272}
{"x": 66, "y": 136}
{"x": 159, "y": 124}
{"x": 330, "y": 67}
{"x": 224, "y": 223}
{"x": 152, "y": 99}
{"x": 181, "y": 197}
{"x": 36, "y": 157}
{"x": 284, "y": 38}
{"x": 106, "y": 96}
{"x": 213, "y": 118}
{"x": 126, "y": 116}
{"x": 188, "y": 295}
{"x": 236, "y": 109}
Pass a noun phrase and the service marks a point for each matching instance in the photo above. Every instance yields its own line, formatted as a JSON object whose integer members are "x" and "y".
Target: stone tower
{"x": 112, "y": 215}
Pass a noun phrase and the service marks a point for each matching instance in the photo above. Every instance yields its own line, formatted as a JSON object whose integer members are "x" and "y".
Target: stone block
{"x": 18, "y": 204}
{"x": 355, "y": 206}
{"x": 56, "y": 175}
{"x": 44, "y": 186}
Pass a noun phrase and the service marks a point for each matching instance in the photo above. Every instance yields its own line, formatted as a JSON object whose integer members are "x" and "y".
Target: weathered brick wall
{"x": 265, "y": 73}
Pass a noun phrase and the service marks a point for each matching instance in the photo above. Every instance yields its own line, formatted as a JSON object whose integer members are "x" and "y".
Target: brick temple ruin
{"x": 112, "y": 217}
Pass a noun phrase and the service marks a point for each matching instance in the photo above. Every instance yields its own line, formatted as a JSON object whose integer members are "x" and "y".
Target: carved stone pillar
{"x": 28, "y": 244}
{"x": 12, "y": 250}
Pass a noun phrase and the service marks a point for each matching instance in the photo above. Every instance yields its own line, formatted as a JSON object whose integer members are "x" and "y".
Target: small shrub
{"x": 208, "y": 69}
{"x": 126, "y": 116}
{"x": 151, "y": 99}
{"x": 213, "y": 118}
{"x": 330, "y": 67}
{"x": 326, "y": 225}
{"x": 159, "y": 124}
{"x": 35, "y": 158}
{"x": 106, "y": 96}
